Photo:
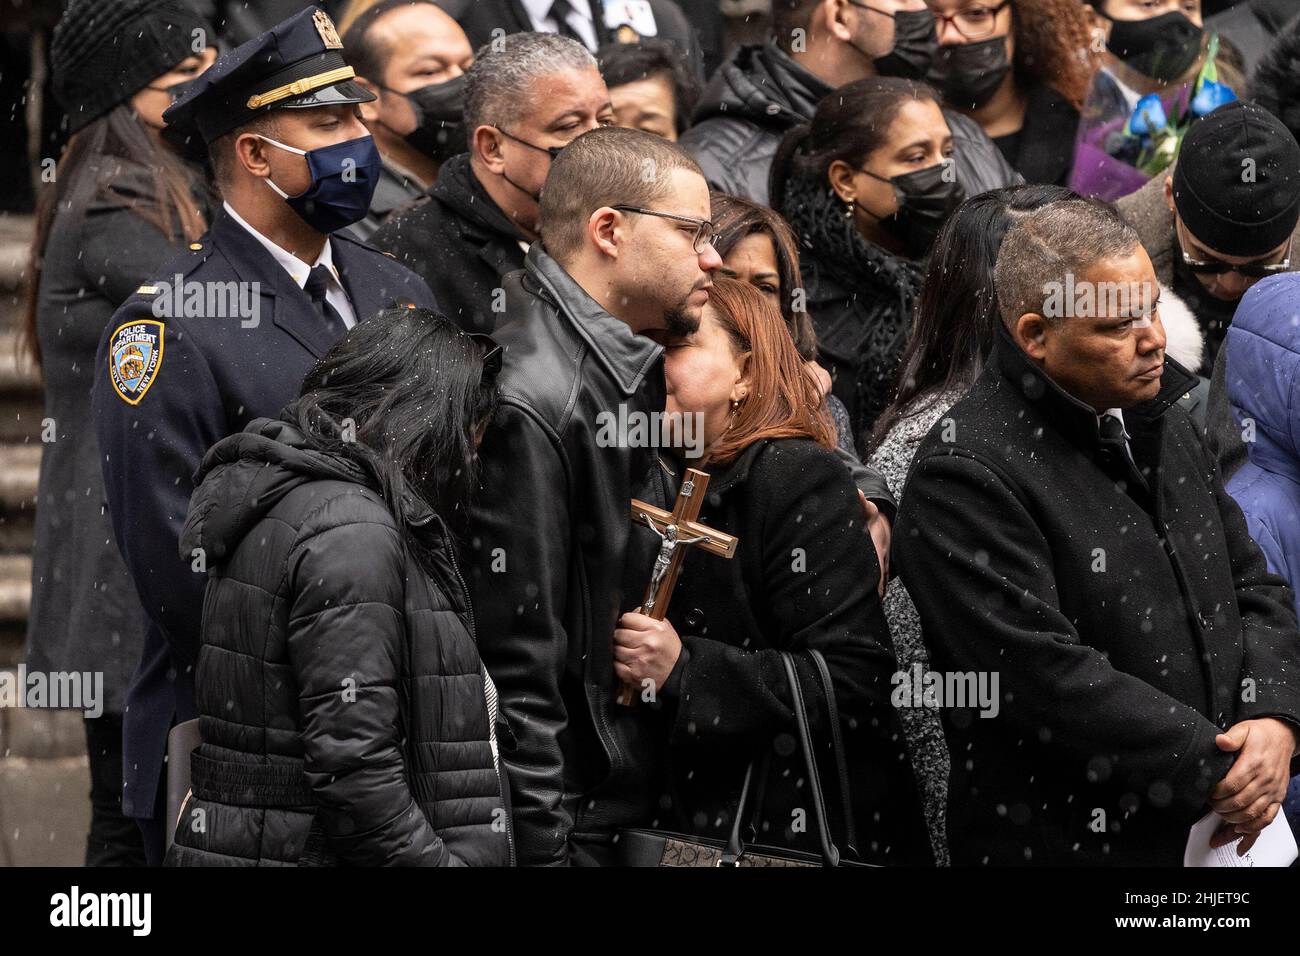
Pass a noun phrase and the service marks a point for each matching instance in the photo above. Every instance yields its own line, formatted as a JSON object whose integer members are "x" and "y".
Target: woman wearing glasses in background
{"x": 1021, "y": 69}
{"x": 339, "y": 683}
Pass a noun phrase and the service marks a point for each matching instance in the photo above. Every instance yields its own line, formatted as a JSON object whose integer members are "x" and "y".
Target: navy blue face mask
{"x": 343, "y": 179}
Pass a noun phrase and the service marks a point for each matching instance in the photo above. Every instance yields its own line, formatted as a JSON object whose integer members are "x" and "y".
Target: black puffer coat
{"x": 342, "y": 699}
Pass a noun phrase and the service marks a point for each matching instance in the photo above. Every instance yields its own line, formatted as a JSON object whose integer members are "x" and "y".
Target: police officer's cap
{"x": 294, "y": 65}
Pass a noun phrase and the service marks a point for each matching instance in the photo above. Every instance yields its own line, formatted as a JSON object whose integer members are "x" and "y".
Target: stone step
{"x": 15, "y": 587}
{"x": 20, "y": 468}
{"x": 15, "y": 248}
{"x": 44, "y": 811}
{"x": 18, "y": 374}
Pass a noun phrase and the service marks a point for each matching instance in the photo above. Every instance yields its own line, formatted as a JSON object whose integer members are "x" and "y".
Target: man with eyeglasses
{"x": 526, "y": 97}
{"x": 551, "y": 560}
{"x": 1224, "y": 218}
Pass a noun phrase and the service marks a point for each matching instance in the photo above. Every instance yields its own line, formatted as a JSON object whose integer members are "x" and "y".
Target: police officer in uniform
{"x": 226, "y": 333}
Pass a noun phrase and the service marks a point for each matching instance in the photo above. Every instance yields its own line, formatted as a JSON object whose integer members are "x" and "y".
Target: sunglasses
{"x": 492, "y": 352}
{"x": 1251, "y": 270}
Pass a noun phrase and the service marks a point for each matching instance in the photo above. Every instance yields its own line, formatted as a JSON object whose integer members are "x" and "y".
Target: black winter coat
{"x": 760, "y": 93}
{"x": 85, "y": 615}
{"x": 549, "y": 561}
{"x": 804, "y": 577}
{"x": 1123, "y": 625}
{"x": 1042, "y": 150}
{"x": 341, "y": 697}
{"x": 458, "y": 241}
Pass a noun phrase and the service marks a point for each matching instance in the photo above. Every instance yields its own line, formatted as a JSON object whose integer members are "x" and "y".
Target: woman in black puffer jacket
{"x": 345, "y": 714}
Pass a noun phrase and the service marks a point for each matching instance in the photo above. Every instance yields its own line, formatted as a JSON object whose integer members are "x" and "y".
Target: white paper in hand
{"x": 1275, "y": 847}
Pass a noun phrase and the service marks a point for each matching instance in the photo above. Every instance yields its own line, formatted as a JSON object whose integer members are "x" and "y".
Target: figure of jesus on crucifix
{"x": 665, "y": 557}
{"x": 673, "y": 547}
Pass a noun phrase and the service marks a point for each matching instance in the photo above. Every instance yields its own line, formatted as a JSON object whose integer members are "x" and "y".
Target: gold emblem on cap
{"x": 325, "y": 27}
{"x": 625, "y": 34}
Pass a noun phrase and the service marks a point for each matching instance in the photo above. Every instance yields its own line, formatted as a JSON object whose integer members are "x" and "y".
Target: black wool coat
{"x": 804, "y": 576}
{"x": 85, "y": 615}
{"x": 340, "y": 693}
{"x": 458, "y": 241}
{"x": 1126, "y": 627}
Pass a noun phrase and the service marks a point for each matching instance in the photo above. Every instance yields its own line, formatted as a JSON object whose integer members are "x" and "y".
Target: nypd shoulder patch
{"x": 135, "y": 353}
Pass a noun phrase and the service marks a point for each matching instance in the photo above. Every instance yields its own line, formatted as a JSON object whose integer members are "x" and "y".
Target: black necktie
{"x": 559, "y": 12}
{"x": 1113, "y": 441}
{"x": 318, "y": 281}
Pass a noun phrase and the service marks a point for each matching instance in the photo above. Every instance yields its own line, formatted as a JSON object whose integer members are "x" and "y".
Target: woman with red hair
{"x": 803, "y": 579}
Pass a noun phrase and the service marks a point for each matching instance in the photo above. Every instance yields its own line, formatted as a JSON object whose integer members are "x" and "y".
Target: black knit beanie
{"x": 104, "y": 51}
{"x": 1237, "y": 181}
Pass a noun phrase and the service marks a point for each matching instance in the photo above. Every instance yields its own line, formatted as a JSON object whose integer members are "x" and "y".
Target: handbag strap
{"x": 735, "y": 847}
{"x": 830, "y": 855}
{"x": 837, "y": 744}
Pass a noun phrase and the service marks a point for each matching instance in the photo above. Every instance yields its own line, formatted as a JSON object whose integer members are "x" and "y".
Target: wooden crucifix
{"x": 677, "y": 531}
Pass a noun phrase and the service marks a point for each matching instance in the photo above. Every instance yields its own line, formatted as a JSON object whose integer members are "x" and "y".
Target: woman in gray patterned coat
{"x": 952, "y": 334}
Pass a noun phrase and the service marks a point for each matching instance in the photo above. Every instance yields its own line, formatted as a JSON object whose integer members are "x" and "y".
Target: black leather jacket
{"x": 549, "y": 565}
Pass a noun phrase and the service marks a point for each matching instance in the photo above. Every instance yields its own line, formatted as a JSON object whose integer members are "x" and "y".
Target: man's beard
{"x": 679, "y": 321}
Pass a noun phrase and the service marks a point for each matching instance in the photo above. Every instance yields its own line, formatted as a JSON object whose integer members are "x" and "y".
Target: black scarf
{"x": 883, "y": 287}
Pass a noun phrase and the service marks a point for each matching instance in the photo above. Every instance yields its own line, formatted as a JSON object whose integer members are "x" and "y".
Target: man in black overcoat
{"x": 1066, "y": 538}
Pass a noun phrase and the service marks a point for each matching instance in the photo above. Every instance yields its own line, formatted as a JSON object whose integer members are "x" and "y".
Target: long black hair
{"x": 849, "y": 124}
{"x": 404, "y": 396}
{"x": 957, "y": 310}
{"x": 87, "y": 169}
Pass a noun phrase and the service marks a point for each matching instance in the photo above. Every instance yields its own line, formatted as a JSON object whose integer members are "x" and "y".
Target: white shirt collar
{"x": 538, "y": 10}
{"x": 298, "y": 269}
{"x": 1118, "y": 413}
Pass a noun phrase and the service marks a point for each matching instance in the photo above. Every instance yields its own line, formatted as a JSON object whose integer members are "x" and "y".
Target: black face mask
{"x": 439, "y": 119}
{"x": 968, "y": 74}
{"x": 1163, "y": 48}
{"x": 925, "y": 201}
{"x": 915, "y": 43}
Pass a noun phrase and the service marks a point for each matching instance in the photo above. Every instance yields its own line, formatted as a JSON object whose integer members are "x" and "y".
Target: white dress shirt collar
{"x": 298, "y": 270}
{"x": 580, "y": 18}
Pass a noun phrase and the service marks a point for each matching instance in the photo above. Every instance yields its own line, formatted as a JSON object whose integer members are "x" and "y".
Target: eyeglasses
{"x": 974, "y": 23}
{"x": 704, "y": 228}
{"x": 492, "y": 352}
{"x": 552, "y": 151}
{"x": 1251, "y": 270}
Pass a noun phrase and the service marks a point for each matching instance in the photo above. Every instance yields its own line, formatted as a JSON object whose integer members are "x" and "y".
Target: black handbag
{"x": 643, "y": 847}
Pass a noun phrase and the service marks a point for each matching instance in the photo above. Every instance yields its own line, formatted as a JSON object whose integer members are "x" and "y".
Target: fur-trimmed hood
{"x": 1184, "y": 340}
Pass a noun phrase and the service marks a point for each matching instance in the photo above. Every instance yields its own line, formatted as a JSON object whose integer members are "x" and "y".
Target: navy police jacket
{"x": 222, "y": 336}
